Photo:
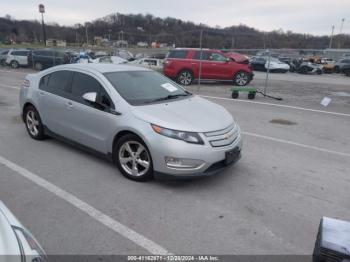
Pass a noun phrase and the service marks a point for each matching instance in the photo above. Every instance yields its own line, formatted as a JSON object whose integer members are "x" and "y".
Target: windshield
{"x": 144, "y": 87}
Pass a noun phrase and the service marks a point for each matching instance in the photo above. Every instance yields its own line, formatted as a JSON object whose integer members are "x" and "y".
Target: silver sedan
{"x": 147, "y": 124}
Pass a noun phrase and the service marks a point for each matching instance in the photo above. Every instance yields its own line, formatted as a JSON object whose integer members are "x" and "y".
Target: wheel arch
{"x": 25, "y": 106}
{"x": 124, "y": 132}
{"x": 186, "y": 69}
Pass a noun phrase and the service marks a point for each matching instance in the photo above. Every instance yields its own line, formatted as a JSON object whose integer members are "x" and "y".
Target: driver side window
{"x": 82, "y": 84}
{"x": 218, "y": 57}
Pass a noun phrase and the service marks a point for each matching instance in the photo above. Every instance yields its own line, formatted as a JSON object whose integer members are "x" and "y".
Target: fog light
{"x": 174, "y": 162}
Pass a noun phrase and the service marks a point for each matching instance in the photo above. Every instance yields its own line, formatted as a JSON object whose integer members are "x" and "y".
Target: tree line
{"x": 148, "y": 28}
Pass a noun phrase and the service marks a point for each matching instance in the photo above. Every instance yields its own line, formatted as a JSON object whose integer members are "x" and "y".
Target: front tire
{"x": 336, "y": 69}
{"x": 185, "y": 77}
{"x": 14, "y": 64}
{"x": 33, "y": 123}
{"x": 38, "y": 66}
{"x": 133, "y": 158}
{"x": 241, "y": 79}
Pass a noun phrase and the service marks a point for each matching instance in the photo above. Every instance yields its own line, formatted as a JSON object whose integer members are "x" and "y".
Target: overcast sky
{"x": 304, "y": 16}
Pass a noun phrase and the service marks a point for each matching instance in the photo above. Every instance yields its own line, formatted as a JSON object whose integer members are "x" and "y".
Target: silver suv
{"x": 144, "y": 122}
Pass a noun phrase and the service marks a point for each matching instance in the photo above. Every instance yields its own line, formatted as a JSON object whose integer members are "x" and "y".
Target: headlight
{"x": 189, "y": 137}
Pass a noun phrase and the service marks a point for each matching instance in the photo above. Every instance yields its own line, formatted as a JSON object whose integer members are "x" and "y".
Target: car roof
{"x": 102, "y": 68}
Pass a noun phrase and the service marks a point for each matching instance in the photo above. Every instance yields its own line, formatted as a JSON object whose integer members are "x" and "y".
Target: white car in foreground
{"x": 16, "y": 242}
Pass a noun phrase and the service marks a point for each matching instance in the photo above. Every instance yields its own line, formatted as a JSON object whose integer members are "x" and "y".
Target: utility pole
{"x": 86, "y": 34}
{"x": 340, "y": 31}
{"x": 200, "y": 59}
{"x": 42, "y": 11}
{"x": 331, "y": 40}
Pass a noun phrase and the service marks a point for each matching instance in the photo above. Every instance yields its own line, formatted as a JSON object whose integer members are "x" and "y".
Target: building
{"x": 56, "y": 42}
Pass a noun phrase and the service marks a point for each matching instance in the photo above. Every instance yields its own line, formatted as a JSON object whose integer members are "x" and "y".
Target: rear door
{"x": 89, "y": 124}
{"x": 22, "y": 57}
{"x": 54, "y": 101}
{"x": 206, "y": 66}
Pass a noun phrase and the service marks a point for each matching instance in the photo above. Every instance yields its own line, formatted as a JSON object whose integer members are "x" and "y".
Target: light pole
{"x": 340, "y": 31}
{"x": 331, "y": 40}
{"x": 42, "y": 11}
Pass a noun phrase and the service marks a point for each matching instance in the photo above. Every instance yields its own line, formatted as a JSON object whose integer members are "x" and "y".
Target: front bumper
{"x": 213, "y": 158}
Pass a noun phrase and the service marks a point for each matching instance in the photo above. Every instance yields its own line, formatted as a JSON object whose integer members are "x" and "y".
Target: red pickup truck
{"x": 183, "y": 65}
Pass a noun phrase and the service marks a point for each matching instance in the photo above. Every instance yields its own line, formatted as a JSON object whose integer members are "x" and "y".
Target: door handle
{"x": 41, "y": 93}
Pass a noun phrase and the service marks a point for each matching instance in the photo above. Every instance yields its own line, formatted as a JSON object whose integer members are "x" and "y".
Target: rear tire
{"x": 38, "y": 66}
{"x": 185, "y": 77}
{"x": 33, "y": 123}
{"x": 14, "y": 64}
{"x": 241, "y": 79}
{"x": 133, "y": 158}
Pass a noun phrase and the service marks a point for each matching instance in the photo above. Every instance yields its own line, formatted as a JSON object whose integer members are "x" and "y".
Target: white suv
{"x": 17, "y": 57}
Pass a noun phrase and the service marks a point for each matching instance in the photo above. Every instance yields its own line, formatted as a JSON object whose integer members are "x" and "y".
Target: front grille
{"x": 223, "y": 137}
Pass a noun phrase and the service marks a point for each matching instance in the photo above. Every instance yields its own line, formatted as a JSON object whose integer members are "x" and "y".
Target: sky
{"x": 303, "y": 16}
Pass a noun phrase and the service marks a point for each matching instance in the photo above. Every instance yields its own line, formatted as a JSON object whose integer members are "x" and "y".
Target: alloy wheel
{"x": 241, "y": 79}
{"x": 32, "y": 123}
{"x": 185, "y": 78}
{"x": 134, "y": 158}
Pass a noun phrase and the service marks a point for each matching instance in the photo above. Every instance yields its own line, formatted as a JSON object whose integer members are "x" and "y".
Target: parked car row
{"x": 305, "y": 65}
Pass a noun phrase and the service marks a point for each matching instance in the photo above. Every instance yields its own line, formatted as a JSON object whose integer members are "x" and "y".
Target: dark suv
{"x": 44, "y": 58}
{"x": 183, "y": 65}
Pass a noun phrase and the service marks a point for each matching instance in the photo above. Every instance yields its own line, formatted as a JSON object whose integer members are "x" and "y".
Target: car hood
{"x": 194, "y": 114}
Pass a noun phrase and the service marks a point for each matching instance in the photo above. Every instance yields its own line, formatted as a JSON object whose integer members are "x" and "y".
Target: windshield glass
{"x": 144, "y": 87}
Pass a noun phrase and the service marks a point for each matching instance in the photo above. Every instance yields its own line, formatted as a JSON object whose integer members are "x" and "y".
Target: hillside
{"x": 148, "y": 28}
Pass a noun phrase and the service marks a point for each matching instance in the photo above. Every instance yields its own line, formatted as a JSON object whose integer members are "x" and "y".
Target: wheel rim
{"x": 185, "y": 78}
{"x": 32, "y": 123}
{"x": 134, "y": 158}
{"x": 14, "y": 65}
{"x": 241, "y": 79}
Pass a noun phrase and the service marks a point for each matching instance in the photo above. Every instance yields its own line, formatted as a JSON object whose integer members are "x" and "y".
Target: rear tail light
{"x": 25, "y": 83}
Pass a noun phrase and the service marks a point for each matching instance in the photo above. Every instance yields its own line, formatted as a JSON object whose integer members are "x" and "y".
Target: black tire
{"x": 31, "y": 114}
{"x": 38, "y": 66}
{"x": 336, "y": 69}
{"x": 235, "y": 94}
{"x": 14, "y": 64}
{"x": 251, "y": 95}
{"x": 125, "y": 169}
{"x": 185, "y": 77}
{"x": 241, "y": 79}
{"x": 303, "y": 70}
{"x": 319, "y": 72}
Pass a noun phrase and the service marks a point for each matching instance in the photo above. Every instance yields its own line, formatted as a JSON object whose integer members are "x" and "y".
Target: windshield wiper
{"x": 169, "y": 97}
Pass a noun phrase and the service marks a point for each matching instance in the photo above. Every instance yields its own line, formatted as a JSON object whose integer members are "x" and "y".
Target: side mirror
{"x": 228, "y": 59}
{"x": 90, "y": 97}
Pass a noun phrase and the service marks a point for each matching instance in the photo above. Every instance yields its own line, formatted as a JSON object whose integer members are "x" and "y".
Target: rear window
{"x": 44, "y": 53}
{"x": 205, "y": 55}
{"x": 177, "y": 54}
{"x": 20, "y": 53}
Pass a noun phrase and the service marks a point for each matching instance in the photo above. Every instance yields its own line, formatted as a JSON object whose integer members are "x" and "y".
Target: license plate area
{"x": 232, "y": 156}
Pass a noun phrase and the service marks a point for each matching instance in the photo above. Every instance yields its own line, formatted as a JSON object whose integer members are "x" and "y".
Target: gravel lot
{"x": 294, "y": 170}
